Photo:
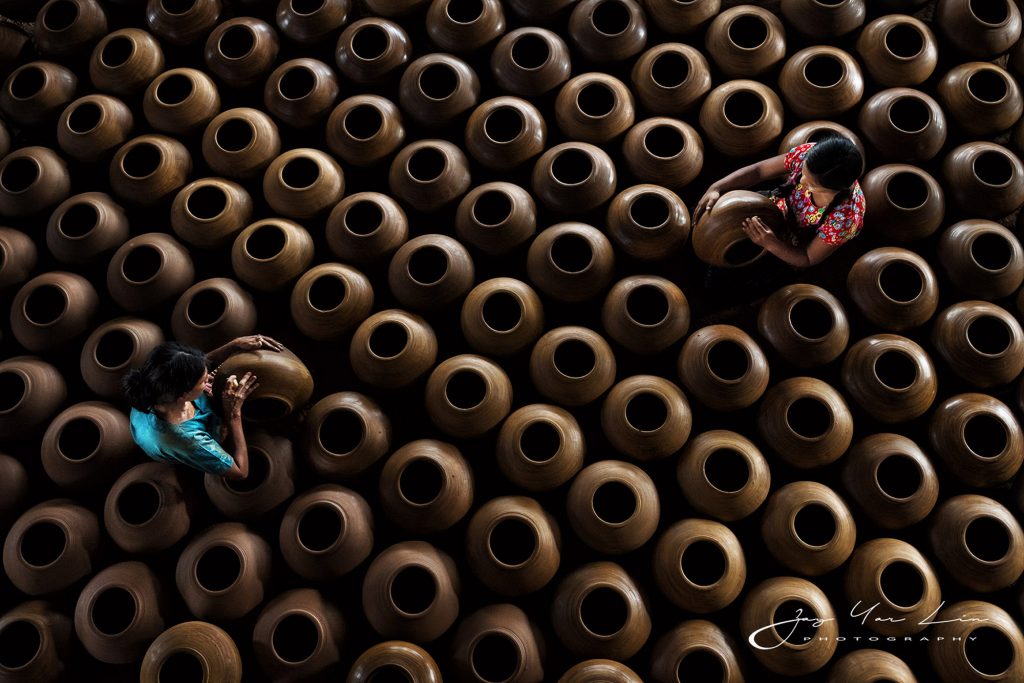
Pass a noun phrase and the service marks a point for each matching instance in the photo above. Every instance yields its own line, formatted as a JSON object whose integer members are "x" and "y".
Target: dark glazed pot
{"x": 891, "y": 479}
{"x": 683, "y": 17}
{"x": 904, "y": 124}
{"x": 530, "y": 61}
{"x": 574, "y": 177}
{"x": 86, "y": 228}
{"x": 35, "y": 93}
{"x": 180, "y": 101}
{"x": 600, "y": 670}
{"x": 895, "y": 577}
{"x": 808, "y": 527}
{"x": 741, "y": 118}
{"x": 52, "y": 309}
{"x": 345, "y": 433}
{"x": 87, "y": 446}
{"x": 718, "y": 237}
{"x": 692, "y": 648}
{"x": 208, "y": 213}
{"x": 51, "y": 547}
{"x": 671, "y": 78}
{"x": 980, "y": 29}
{"x": 364, "y": 130}
{"x": 67, "y": 27}
{"x": 906, "y": 202}
{"x": 370, "y": 49}
{"x": 300, "y": 92}
{"x": 898, "y": 50}
{"x": 723, "y": 367}
{"x": 330, "y": 300}
{"x": 613, "y": 507}
{"x": 92, "y": 126}
{"x": 723, "y": 474}
{"x": 540, "y": 447}
{"x": 148, "y": 270}
{"x": 240, "y": 143}
{"x": 298, "y": 635}
{"x": 125, "y": 61}
{"x": 498, "y": 642}
{"x": 118, "y": 613}
{"x": 805, "y": 324}
{"x": 665, "y": 151}
{"x": 648, "y": 222}
{"x": 513, "y": 545}
{"x": 699, "y": 565}
{"x": 982, "y": 258}
{"x": 224, "y": 572}
{"x": 366, "y": 228}
{"x": 821, "y": 82}
{"x": 32, "y": 180}
{"x": 571, "y": 262}
{"x": 430, "y": 272}
{"x": 496, "y": 218}
{"x": 411, "y": 590}
{"x": 981, "y": 342}
{"x": 824, "y": 18}
{"x": 646, "y": 417}
{"x": 308, "y": 22}
{"x": 608, "y": 30}
{"x": 436, "y": 88}
{"x": 456, "y": 26}
{"x": 594, "y": 107}
{"x": 429, "y": 174}
{"x": 196, "y": 649}
{"x": 271, "y": 254}
{"x": 891, "y": 377}
{"x": 148, "y": 168}
{"x": 285, "y": 383}
{"x": 979, "y": 542}
{"x": 213, "y": 312}
{"x": 14, "y": 488}
{"x": 984, "y": 179}
{"x": 392, "y": 349}
{"x": 995, "y": 631}
{"x": 978, "y": 439}
{"x": 982, "y": 98}
{"x": 501, "y": 317}
{"x": 112, "y": 349}
{"x": 398, "y": 659}
{"x": 467, "y": 396}
{"x": 426, "y": 486}
{"x": 182, "y": 23}
{"x": 870, "y": 664}
{"x": 39, "y": 640}
{"x": 599, "y": 610}
{"x": 816, "y": 131}
{"x": 745, "y": 41}
{"x": 806, "y": 422}
{"x": 271, "y": 479}
{"x": 894, "y": 288}
{"x": 303, "y": 183}
{"x": 645, "y": 314}
{"x": 240, "y": 52}
{"x": 572, "y": 365}
{"x": 18, "y": 256}
{"x": 148, "y": 509}
{"x": 504, "y": 132}
{"x": 326, "y": 532}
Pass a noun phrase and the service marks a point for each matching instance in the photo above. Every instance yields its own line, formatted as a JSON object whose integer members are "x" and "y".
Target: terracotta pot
{"x": 394, "y": 8}
{"x": 428, "y": 174}
{"x": 467, "y": 396}
{"x": 300, "y": 92}
{"x": 745, "y": 41}
{"x": 345, "y": 433}
{"x": 540, "y": 447}
{"x": 671, "y": 78}
{"x": 302, "y": 183}
{"x": 806, "y": 422}
{"x": 984, "y": 179}
{"x": 741, "y": 118}
{"x": 312, "y": 22}
{"x": 608, "y": 30}
{"x": 224, "y": 572}
{"x": 270, "y": 481}
{"x": 906, "y": 201}
{"x": 498, "y": 642}
{"x": 574, "y": 176}
{"x": 572, "y": 365}
{"x": 904, "y": 124}
{"x": 32, "y": 180}
{"x": 512, "y": 545}
{"x": 92, "y": 126}
{"x": 326, "y": 532}
{"x": 182, "y": 24}
{"x": 599, "y": 610}
{"x": 330, "y": 300}
{"x": 37, "y": 92}
{"x": 148, "y": 270}
{"x": 456, "y": 27}
{"x": 824, "y": 18}
{"x": 681, "y": 17}
{"x": 192, "y": 650}
{"x": 816, "y": 131}
{"x": 118, "y": 613}
{"x": 365, "y": 129}
{"x": 52, "y": 309}
{"x": 808, "y": 527}
{"x": 240, "y": 143}
{"x": 645, "y": 314}
{"x": 366, "y": 228}
{"x": 505, "y": 132}
{"x": 371, "y": 48}
{"x": 982, "y": 98}
{"x": 87, "y": 445}
{"x": 895, "y": 577}
{"x": 978, "y": 439}
{"x": 240, "y": 52}
{"x": 979, "y": 29}
{"x": 981, "y": 342}
{"x": 718, "y": 237}
{"x": 271, "y": 254}
{"x": 426, "y": 486}
{"x": 208, "y": 213}
{"x": 51, "y": 546}
{"x": 699, "y": 565}
{"x": 285, "y": 383}
{"x": 893, "y": 288}
{"x": 148, "y": 509}
{"x": 784, "y": 651}
{"x": 85, "y": 228}
{"x": 898, "y": 50}
{"x": 392, "y": 349}
{"x": 125, "y": 61}
{"x": 530, "y": 61}
{"x": 594, "y": 107}
{"x": 40, "y": 639}
{"x": 890, "y": 377}
{"x": 693, "y": 648}
{"x": 805, "y": 324}
{"x": 723, "y": 474}
{"x": 723, "y": 367}
{"x": 298, "y": 635}
{"x": 646, "y": 417}
{"x": 436, "y": 88}
{"x": 502, "y": 316}
{"x": 648, "y": 222}
{"x": 821, "y": 82}
{"x": 982, "y": 258}
{"x": 18, "y": 256}
{"x": 33, "y": 391}
{"x": 891, "y": 479}
{"x": 995, "y": 632}
{"x": 148, "y": 168}
{"x": 665, "y": 151}
{"x": 868, "y": 663}
{"x": 600, "y": 670}
{"x": 571, "y": 262}
{"x": 430, "y": 272}
{"x": 496, "y": 217}
{"x": 411, "y": 590}
{"x": 67, "y": 27}
{"x": 979, "y": 542}
{"x": 14, "y": 488}
{"x": 613, "y": 507}
{"x": 395, "y": 658}
{"x": 180, "y": 101}
{"x": 213, "y": 312}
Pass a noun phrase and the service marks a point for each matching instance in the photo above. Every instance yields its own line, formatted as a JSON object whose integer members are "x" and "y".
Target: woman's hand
{"x": 759, "y": 233}
{"x": 235, "y": 393}
{"x": 257, "y": 341}
{"x": 706, "y": 203}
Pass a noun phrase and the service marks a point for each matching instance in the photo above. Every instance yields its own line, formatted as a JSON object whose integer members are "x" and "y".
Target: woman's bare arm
{"x": 740, "y": 179}
{"x": 239, "y": 451}
{"x": 235, "y": 393}
{"x": 815, "y": 252}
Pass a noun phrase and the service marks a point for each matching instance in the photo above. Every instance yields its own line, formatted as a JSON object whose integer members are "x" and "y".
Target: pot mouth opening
{"x": 296, "y": 637}
{"x": 812, "y": 319}
{"x": 20, "y": 644}
{"x": 901, "y": 281}
{"x": 814, "y": 525}
{"x": 988, "y": 539}
{"x": 466, "y": 389}
{"x": 604, "y": 611}
{"x": 611, "y": 18}
{"x": 260, "y": 470}
{"x": 992, "y": 251}
{"x": 993, "y": 168}
{"x": 389, "y": 673}
{"x": 898, "y": 476}
{"x": 235, "y": 135}
{"x": 701, "y": 663}
{"x": 990, "y": 12}
{"x": 910, "y": 114}
{"x": 85, "y": 117}
{"x": 413, "y": 590}
{"x": 985, "y": 435}
{"x": 728, "y": 361}
{"x": 114, "y": 349}
{"x": 670, "y": 69}
{"x": 907, "y": 190}
{"x": 142, "y": 264}
{"x": 989, "y": 335}
{"x": 574, "y": 359}
{"x": 492, "y": 208}
{"x": 237, "y": 42}
{"x": 20, "y": 174}
{"x": 78, "y": 220}
{"x": 370, "y": 42}
{"x": 530, "y": 51}
{"x": 207, "y": 202}
{"x": 502, "y": 312}
{"x": 206, "y": 308}
{"x": 427, "y": 164}
{"x": 571, "y": 253}
{"x": 896, "y": 370}
{"x": 321, "y": 527}
{"x": 703, "y": 562}
{"x": 615, "y": 502}
{"x": 824, "y": 71}
{"x": 596, "y": 99}
{"x": 43, "y": 543}
{"x": 495, "y": 657}
{"x": 305, "y": 8}
{"x": 428, "y": 265}
{"x": 664, "y": 142}
{"x": 79, "y": 439}
{"x": 342, "y": 432}
{"x": 60, "y": 16}
{"x": 300, "y": 173}
{"x": 218, "y": 568}
{"x": 572, "y": 167}
{"x": 988, "y": 86}
{"x": 438, "y": 81}
{"x": 177, "y": 7}
{"x": 647, "y": 305}
{"x": 901, "y": 584}
{"x": 809, "y": 418}
{"x": 183, "y": 666}
{"x": 28, "y": 82}
{"x": 364, "y": 217}
{"x": 989, "y": 651}
{"x": 388, "y": 339}
{"x": 296, "y": 83}
{"x": 142, "y": 160}
{"x": 727, "y": 470}
{"x": 904, "y": 41}
{"x": 647, "y": 412}
{"x": 117, "y": 51}
{"x": 744, "y": 109}
{"x": 464, "y": 12}
{"x": 504, "y": 125}
{"x": 138, "y": 503}
{"x": 174, "y": 89}
{"x": 650, "y": 211}
{"x": 13, "y": 388}
{"x": 421, "y": 482}
{"x": 114, "y": 610}
{"x": 798, "y": 617}
{"x": 540, "y": 441}
{"x": 748, "y": 31}
{"x": 46, "y": 305}
{"x": 327, "y": 293}
{"x": 266, "y": 242}
{"x": 513, "y": 541}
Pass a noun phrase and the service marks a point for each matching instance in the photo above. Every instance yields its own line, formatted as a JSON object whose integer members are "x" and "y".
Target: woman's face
{"x": 193, "y": 393}
{"x": 808, "y": 180}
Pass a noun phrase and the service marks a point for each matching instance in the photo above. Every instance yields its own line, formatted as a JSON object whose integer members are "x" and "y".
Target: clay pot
{"x": 14, "y": 488}
{"x": 87, "y": 445}
{"x": 982, "y": 258}
{"x": 613, "y": 507}
{"x": 784, "y": 651}
{"x": 741, "y": 118}
{"x": 540, "y": 447}
{"x": 646, "y": 417}
{"x": 182, "y": 23}
{"x": 193, "y": 650}
{"x": 978, "y": 439}
{"x": 745, "y": 41}
{"x": 979, "y": 542}
{"x": 496, "y": 217}
{"x": 598, "y": 610}
{"x": 816, "y": 131}
{"x": 574, "y": 176}
{"x": 411, "y": 590}
{"x": 365, "y": 129}
{"x": 505, "y": 132}
{"x": 392, "y": 349}
{"x": 898, "y": 50}
{"x": 208, "y": 213}
{"x": 430, "y": 272}
{"x": 648, "y": 222}
{"x": 512, "y": 545}
{"x": 498, "y": 642}
{"x": 429, "y": 174}
{"x": 868, "y": 664}
{"x": 902, "y": 123}
{"x": 671, "y": 78}
{"x": 979, "y": 29}
{"x": 984, "y": 179}
{"x": 366, "y": 228}
{"x": 51, "y": 546}
{"x": 893, "y": 288}
{"x": 723, "y": 367}
{"x": 311, "y": 22}
{"x": 502, "y": 316}
{"x": 692, "y": 648}
{"x": 723, "y": 474}
{"x": 33, "y": 391}
{"x": 645, "y": 314}
{"x": 718, "y": 237}
{"x": 241, "y": 51}
{"x": 530, "y": 61}
{"x": 982, "y": 98}
{"x": 895, "y": 577}
{"x": 148, "y": 509}
{"x": 118, "y": 613}
{"x": 699, "y": 565}
{"x": 52, "y": 309}
{"x": 36, "y": 93}
{"x": 86, "y": 228}
{"x": 32, "y": 180}
{"x": 271, "y": 254}
{"x": 805, "y": 324}
{"x": 467, "y": 396}
{"x": 394, "y": 8}
{"x": 298, "y": 634}
{"x": 223, "y": 573}
{"x": 890, "y": 377}
{"x": 681, "y": 17}
{"x": 806, "y": 422}
{"x": 608, "y": 30}
{"x": 594, "y": 107}
{"x": 906, "y": 201}
{"x": 213, "y": 312}
{"x": 995, "y": 632}
{"x": 326, "y": 532}
{"x": 345, "y": 433}
{"x": 18, "y": 256}
{"x": 13, "y": 40}
{"x": 330, "y": 300}
{"x": 148, "y": 168}
{"x": 92, "y": 126}
{"x": 240, "y": 143}
{"x": 39, "y": 639}
{"x": 148, "y": 270}
{"x": 665, "y": 151}
{"x": 436, "y": 88}
{"x": 270, "y": 481}
{"x": 600, "y": 670}
{"x": 395, "y": 658}
{"x": 426, "y": 486}
{"x": 824, "y": 18}
{"x": 571, "y": 262}
{"x": 371, "y": 48}
{"x": 66, "y": 27}
{"x": 457, "y": 27}
{"x": 981, "y": 342}
{"x": 891, "y": 479}
{"x": 300, "y": 92}
{"x": 125, "y": 61}
{"x": 821, "y": 82}
{"x": 180, "y": 101}
{"x": 302, "y": 183}
{"x": 572, "y": 366}
{"x": 808, "y": 527}
{"x": 285, "y": 383}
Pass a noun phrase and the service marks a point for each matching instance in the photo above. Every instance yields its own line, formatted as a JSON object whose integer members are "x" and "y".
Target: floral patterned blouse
{"x": 843, "y": 222}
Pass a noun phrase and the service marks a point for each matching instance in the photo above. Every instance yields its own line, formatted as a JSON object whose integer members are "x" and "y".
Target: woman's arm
{"x": 250, "y": 343}
{"x": 235, "y": 393}
{"x": 815, "y": 252}
{"x": 740, "y": 179}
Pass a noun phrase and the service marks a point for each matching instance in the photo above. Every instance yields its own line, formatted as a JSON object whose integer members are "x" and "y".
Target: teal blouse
{"x": 190, "y": 443}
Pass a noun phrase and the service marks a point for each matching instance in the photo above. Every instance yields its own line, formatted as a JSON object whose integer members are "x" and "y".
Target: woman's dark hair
{"x": 171, "y": 370}
{"x": 836, "y": 163}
